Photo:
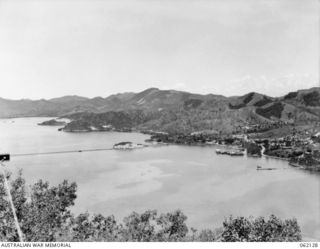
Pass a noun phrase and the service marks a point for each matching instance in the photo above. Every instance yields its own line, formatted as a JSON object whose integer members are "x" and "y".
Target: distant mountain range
{"x": 173, "y": 110}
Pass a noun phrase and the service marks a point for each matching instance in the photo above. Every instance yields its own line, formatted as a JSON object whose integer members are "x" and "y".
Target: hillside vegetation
{"x": 184, "y": 113}
{"x": 172, "y": 111}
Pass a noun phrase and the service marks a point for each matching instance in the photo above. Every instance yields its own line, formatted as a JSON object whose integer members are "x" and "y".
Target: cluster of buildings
{"x": 300, "y": 151}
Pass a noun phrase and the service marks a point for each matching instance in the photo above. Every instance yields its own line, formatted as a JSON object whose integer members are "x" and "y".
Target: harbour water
{"x": 207, "y": 187}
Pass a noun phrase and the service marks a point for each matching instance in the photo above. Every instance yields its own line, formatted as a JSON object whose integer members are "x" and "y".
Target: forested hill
{"x": 170, "y": 110}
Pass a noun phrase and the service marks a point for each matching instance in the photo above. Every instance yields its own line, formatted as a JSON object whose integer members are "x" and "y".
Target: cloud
{"x": 103, "y": 47}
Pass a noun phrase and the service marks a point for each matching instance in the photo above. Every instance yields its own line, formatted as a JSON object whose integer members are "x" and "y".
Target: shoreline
{"x": 203, "y": 143}
{"x": 275, "y": 157}
{"x": 175, "y": 184}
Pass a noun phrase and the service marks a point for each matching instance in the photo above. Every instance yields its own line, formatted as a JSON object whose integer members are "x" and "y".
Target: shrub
{"x": 260, "y": 230}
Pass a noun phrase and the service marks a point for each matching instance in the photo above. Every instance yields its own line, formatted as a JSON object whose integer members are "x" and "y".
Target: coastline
{"x": 189, "y": 140}
{"x": 184, "y": 168}
{"x": 275, "y": 157}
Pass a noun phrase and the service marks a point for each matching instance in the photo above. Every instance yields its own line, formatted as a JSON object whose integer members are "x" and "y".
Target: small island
{"x": 53, "y": 122}
{"x": 230, "y": 152}
{"x": 128, "y": 146}
{"x": 83, "y": 125}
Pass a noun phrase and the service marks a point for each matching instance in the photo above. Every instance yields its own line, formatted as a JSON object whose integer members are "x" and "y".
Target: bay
{"x": 205, "y": 186}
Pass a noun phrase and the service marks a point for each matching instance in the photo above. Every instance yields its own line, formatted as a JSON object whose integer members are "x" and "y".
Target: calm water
{"x": 205, "y": 186}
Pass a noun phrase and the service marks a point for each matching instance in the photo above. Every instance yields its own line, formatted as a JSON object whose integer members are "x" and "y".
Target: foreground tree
{"x": 8, "y": 230}
{"x": 44, "y": 216}
{"x": 140, "y": 227}
{"x": 47, "y": 215}
{"x": 144, "y": 227}
{"x": 172, "y": 226}
{"x": 260, "y": 230}
{"x": 96, "y": 228}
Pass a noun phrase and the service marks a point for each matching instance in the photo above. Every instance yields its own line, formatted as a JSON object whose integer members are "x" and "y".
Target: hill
{"x": 172, "y": 111}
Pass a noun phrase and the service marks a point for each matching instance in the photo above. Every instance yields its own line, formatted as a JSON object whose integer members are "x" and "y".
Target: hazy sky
{"x": 97, "y": 48}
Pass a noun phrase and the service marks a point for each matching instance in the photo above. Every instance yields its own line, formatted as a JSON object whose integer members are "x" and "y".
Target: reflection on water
{"x": 206, "y": 186}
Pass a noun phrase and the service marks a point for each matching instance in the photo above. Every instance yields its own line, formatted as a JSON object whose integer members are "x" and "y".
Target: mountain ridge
{"x": 172, "y": 110}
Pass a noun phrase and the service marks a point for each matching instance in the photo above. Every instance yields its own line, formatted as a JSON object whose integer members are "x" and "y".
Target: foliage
{"x": 312, "y": 98}
{"x": 275, "y": 110}
{"x": 47, "y": 213}
{"x": 291, "y": 95}
{"x": 235, "y": 107}
{"x": 260, "y": 230}
{"x": 263, "y": 101}
{"x": 173, "y": 227}
{"x": 97, "y": 228}
{"x": 192, "y": 103}
{"x": 44, "y": 215}
{"x": 253, "y": 148}
{"x": 140, "y": 227}
{"x": 7, "y": 226}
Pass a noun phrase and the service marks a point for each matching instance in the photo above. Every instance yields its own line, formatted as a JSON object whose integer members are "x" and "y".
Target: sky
{"x": 51, "y": 48}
